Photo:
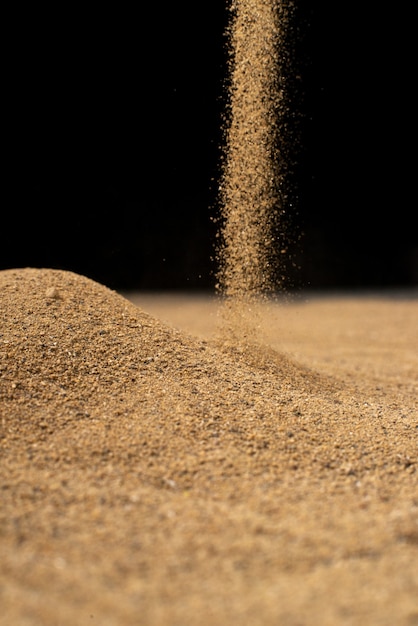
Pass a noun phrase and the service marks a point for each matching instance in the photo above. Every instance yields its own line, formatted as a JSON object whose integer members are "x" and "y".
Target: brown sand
{"x": 249, "y": 194}
{"x": 252, "y": 248}
{"x": 155, "y": 476}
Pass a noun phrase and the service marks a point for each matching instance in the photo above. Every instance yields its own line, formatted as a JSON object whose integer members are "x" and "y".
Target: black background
{"x": 112, "y": 134}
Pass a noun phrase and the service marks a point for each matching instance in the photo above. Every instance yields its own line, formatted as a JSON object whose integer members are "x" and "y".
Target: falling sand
{"x": 255, "y": 162}
{"x": 154, "y": 472}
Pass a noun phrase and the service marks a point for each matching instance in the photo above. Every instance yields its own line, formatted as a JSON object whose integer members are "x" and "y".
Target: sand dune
{"x": 153, "y": 472}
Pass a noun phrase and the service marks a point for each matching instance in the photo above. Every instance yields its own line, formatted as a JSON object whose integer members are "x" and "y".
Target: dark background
{"x": 112, "y": 134}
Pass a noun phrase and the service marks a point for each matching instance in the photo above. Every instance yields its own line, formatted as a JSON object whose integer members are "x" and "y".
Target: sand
{"x": 252, "y": 198}
{"x": 155, "y": 473}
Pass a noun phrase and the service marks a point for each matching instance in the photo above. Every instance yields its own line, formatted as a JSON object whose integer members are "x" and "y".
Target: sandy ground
{"x": 155, "y": 473}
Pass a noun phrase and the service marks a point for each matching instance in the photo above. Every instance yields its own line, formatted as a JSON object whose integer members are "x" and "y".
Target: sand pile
{"x": 150, "y": 477}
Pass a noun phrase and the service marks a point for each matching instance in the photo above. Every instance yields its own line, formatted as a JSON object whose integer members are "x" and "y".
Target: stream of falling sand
{"x": 252, "y": 191}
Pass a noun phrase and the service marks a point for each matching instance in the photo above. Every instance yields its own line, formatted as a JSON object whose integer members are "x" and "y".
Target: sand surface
{"x": 155, "y": 473}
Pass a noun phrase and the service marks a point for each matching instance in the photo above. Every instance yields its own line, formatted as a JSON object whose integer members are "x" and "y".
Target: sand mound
{"x": 74, "y": 349}
{"x": 151, "y": 477}
{"x": 68, "y": 340}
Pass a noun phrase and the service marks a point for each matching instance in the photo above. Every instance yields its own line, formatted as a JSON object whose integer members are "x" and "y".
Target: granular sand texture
{"x": 149, "y": 476}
